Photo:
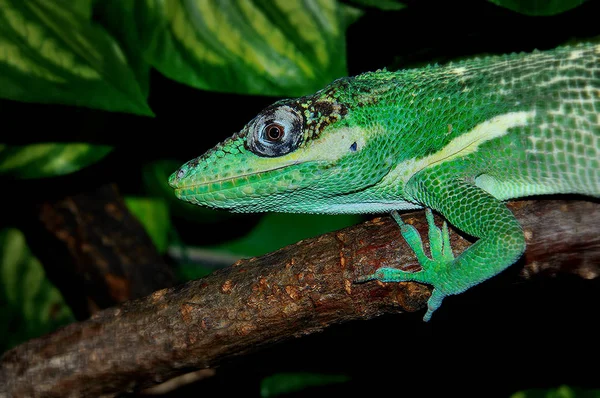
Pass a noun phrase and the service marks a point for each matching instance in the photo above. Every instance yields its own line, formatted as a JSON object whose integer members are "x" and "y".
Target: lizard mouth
{"x": 183, "y": 190}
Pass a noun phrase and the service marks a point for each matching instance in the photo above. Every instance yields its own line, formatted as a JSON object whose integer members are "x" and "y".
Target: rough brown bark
{"x": 295, "y": 291}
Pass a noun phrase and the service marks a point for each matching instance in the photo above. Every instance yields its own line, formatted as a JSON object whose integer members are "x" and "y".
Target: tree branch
{"x": 298, "y": 290}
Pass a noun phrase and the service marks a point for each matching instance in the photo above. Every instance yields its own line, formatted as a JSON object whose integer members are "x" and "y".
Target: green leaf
{"x": 48, "y": 160}
{"x": 276, "y": 230}
{"x": 539, "y": 7}
{"x": 134, "y": 25}
{"x": 285, "y": 383}
{"x": 31, "y": 305}
{"x": 50, "y": 53}
{"x": 188, "y": 272}
{"x": 153, "y": 214}
{"x": 280, "y": 47}
{"x": 386, "y": 5}
{"x": 83, "y": 7}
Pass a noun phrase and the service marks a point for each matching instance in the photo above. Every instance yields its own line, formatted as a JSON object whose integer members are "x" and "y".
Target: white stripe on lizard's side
{"x": 462, "y": 145}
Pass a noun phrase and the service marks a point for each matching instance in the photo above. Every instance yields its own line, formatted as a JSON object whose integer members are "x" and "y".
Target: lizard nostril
{"x": 175, "y": 177}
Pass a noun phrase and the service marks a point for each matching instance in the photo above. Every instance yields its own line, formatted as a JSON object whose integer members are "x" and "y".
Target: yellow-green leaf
{"x": 51, "y": 52}
{"x": 153, "y": 214}
{"x": 280, "y": 47}
{"x": 48, "y": 159}
{"x": 31, "y": 305}
{"x": 133, "y": 25}
{"x": 83, "y": 7}
{"x": 388, "y": 5}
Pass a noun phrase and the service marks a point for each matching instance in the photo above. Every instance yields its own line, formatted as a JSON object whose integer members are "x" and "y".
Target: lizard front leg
{"x": 501, "y": 241}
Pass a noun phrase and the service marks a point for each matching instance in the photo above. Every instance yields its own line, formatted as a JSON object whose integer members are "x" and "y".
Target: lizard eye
{"x": 276, "y": 131}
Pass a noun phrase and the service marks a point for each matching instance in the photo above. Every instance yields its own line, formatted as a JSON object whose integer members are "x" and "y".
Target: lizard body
{"x": 459, "y": 139}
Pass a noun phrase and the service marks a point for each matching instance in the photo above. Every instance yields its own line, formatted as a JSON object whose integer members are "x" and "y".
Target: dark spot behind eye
{"x": 353, "y": 147}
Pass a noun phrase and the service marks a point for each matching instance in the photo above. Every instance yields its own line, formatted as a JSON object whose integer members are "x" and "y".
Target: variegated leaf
{"x": 48, "y": 159}
{"x": 51, "y": 52}
{"x": 31, "y": 304}
{"x": 279, "y": 47}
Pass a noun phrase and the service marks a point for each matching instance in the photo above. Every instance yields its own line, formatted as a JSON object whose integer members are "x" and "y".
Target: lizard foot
{"x": 434, "y": 270}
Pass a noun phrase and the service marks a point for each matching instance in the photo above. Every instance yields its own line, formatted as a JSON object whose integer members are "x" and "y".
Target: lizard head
{"x": 293, "y": 156}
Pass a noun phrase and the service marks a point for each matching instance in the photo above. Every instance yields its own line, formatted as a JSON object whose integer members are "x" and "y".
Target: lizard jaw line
{"x": 191, "y": 186}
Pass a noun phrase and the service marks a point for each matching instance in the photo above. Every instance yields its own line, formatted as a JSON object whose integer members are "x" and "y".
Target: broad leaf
{"x": 133, "y": 25}
{"x": 539, "y": 7}
{"x": 52, "y": 53}
{"x": 286, "y": 383}
{"x": 387, "y": 5}
{"x": 83, "y": 7}
{"x": 31, "y": 305}
{"x": 191, "y": 271}
{"x": 48, "y": 159}
{"x": 280, "y": 47}
{"x": 153, "y": 214}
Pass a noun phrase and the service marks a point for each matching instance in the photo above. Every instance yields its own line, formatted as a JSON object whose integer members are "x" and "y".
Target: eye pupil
{"x": 274, "y": 132}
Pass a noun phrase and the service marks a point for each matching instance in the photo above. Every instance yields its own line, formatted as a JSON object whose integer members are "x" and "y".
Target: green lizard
{"x": 459, "y": 139}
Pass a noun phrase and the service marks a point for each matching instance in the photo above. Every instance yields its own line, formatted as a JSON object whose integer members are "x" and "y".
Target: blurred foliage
{"x": 539, "y": 7}
{"x": 101, "y": 54}
{"x": 48, "y": 159}
{"x": 558, "y": 392}
{"x": 153, "y": 213}
{"x": 30, "y": 304}
{"x": 389, "y": 5}
{"x": 285, "y": 383}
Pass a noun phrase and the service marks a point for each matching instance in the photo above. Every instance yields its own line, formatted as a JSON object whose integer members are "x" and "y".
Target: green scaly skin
{"x": 459, "y": 139}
